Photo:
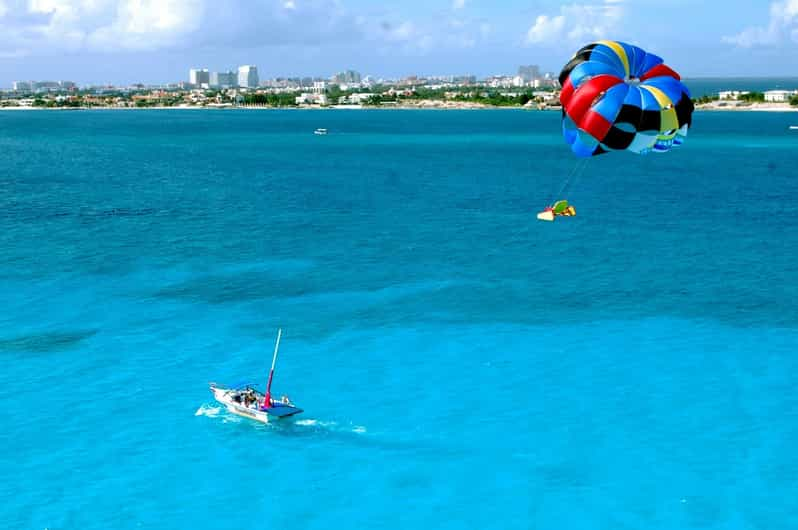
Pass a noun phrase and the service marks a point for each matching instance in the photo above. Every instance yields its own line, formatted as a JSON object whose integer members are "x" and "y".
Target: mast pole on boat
{"x": 267, "y": 400}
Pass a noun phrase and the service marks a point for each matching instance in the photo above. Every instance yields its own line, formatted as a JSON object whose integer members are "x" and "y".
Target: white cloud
{"x": 44, "y": 27}
{"x": 783, "y": 24}
{"x": 577, "y": 23}
{"x": 28, "y": 27}
{"x": 148, "y": 24}
{"x": 545, "y": 29}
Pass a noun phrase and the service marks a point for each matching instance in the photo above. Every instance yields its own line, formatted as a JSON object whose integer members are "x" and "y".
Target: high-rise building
{"x": 223, "y": 79}
{"x": 198, "y": 77}
{"x": 45, "y": 86}
{"x": 349, "y": 76}
{"x": 529, "y": 72}
{"x": 23, "y": 86}
{"x": 248, "y": 76}
{"x": 67, "y": 85}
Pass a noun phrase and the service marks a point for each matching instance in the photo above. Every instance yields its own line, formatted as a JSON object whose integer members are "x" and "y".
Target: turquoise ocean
{"x": 461, "y": 364}
{"x": 710, "y": 86}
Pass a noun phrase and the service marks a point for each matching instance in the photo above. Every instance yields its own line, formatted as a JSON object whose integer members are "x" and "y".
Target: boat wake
{"x": 308, "y": 425}
{"x": 208, "y": 410}
{"x": 330, "y": 426}
{"x": 305, "y": 425}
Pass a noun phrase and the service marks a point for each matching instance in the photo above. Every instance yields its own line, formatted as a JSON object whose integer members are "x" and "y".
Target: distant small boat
{"x": 320, "y": 131}
{"x": 245, "y": 400}
{"x": 794, "y": 127}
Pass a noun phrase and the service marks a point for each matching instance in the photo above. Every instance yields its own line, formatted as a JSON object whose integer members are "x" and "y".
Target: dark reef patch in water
{"x": 221, "y": 289}
{"x": 262, "y": 285}
{"x": 45, "y": 342}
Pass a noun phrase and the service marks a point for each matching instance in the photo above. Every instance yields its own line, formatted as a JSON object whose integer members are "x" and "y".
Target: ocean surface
{"x": 710, "y": 86}
{"x": 461, "y": 364}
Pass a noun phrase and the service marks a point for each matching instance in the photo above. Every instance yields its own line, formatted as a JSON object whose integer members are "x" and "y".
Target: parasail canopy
{"x": 616, "y": 96}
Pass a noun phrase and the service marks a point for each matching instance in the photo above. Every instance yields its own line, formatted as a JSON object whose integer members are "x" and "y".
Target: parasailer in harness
{"x": 559, "y": 208}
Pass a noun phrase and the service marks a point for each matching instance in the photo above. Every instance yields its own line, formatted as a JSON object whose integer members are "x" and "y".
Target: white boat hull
{"x": 222, "y": 396}
{"x": 546, "y": 215}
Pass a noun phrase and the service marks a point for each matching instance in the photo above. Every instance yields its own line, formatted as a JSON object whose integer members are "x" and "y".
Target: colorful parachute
{"x": 616, "y": 96}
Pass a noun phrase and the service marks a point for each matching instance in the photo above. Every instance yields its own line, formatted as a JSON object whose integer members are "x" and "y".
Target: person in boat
{"x": 249, "y": 398}
{"x": 563, "y": 208}
{"x": 559, "y": 208}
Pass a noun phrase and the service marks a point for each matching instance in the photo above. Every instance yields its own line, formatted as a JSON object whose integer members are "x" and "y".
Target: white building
{"x": 248, "y": 76}
{"x": 319, "y": 87}
{"x": 778, "y": 96}
{"x": 350, "y": 86}
{"x": 499, "y": 81}
{"x": 199, "y": 77}
{"x": 22, "y": 86}
{"x": 731, "y": 94}
{"x": 311, "y": 98}
{"x": 223, "y": 80}
{"x": 545, "y": 95}
{"x": 359, "y": 97}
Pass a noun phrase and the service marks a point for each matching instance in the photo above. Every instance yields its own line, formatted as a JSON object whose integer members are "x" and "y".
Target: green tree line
{"x": 273, "y": 100}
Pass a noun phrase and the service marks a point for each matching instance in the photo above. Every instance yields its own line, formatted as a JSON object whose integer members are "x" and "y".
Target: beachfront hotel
{"x": 199, "y": 77}
{"x": 223, "y": 79}
{"x": 248, "y": 76}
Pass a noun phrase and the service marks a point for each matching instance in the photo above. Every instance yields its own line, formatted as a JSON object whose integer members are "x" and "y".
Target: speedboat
{"x": 320, "y": 131}
{"x": 794, "y": 127}
{"x": 247, "y": 401}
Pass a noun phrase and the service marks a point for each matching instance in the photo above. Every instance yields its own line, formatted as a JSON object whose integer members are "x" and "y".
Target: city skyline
{"x": 246, "y": 76}
{"x": 124, "y": 42}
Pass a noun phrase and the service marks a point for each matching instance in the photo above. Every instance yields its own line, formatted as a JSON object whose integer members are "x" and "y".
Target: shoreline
{"x": 734, "y": 106}
{"x": 330, "y": 108}
{"x": 706, "y": 107}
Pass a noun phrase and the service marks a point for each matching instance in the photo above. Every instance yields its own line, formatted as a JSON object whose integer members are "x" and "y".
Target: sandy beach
{"x": 743, "y": 106}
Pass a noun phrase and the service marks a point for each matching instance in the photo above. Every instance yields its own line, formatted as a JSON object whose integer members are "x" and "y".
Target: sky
{"x": 157, "y": 41}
